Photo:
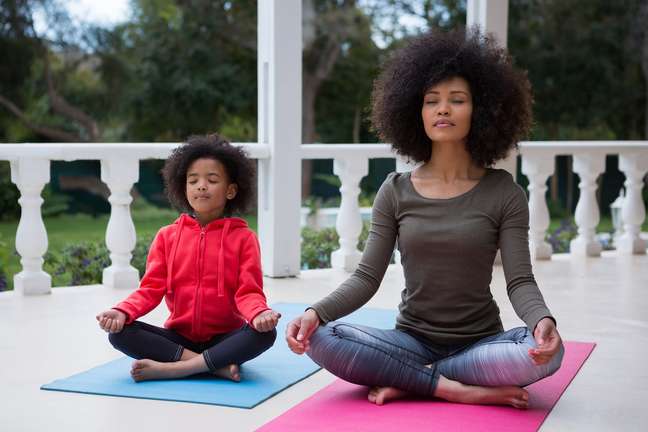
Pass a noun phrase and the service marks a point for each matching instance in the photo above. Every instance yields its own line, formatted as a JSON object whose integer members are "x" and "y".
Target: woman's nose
{"x": 443, "y": 109}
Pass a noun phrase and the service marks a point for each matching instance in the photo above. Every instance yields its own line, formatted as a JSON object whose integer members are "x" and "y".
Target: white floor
{"x": 42, "y": 338}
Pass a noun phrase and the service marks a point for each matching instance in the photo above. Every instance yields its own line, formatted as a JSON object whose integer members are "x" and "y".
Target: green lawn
{"x": 67, "y": 229}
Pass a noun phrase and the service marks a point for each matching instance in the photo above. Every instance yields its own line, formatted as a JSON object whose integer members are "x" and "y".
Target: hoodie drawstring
{"x": 174, "y": 250}
{"x": 221, "y": 261}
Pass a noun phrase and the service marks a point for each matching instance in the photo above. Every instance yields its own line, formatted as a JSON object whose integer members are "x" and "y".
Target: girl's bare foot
{"x": 381, "y": 395}
{"x": 230, "y": 372}
{"x": 146, "y": 369}
{"x": 455, "y": 391}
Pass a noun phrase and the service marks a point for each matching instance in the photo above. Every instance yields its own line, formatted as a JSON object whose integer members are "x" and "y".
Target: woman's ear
{"x": 232, "y": 190}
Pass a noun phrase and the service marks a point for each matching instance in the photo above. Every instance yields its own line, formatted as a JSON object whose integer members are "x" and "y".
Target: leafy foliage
{"x": 83, "y": 263}
{"x": 317, "y": 246}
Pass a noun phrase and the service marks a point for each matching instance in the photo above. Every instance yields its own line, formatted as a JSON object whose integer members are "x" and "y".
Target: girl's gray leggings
{"x": 394, "y": 358}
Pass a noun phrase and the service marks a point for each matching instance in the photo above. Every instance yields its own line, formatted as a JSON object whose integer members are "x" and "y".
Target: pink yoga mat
{"x": 344, "y": 407}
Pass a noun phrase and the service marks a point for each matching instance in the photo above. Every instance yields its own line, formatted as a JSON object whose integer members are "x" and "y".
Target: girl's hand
{"x": 548, "y": 341}
{"x": 300, "y": 330}
{"x": 112, "y": 320}
{"x": 266, "y": 321}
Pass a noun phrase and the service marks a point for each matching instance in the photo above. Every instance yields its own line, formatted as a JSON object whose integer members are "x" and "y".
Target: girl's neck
{"x": 204, "y": 219}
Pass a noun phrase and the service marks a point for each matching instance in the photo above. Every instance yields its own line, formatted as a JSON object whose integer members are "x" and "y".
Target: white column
{"x": 30, "y": 176}
{"x": 350, "y": 170}
{"x": 120, "y": 175}
{"x": 538, "y": 167}
{"x": 491, "y": 16}
{"x": 279, "y": 125}
{"x": 633, "y": 213}
{"x": 588, "y": 166}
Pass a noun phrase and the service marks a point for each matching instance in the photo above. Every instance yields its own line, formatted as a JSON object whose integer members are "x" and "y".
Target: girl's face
{"x": 447, "y": 110}
{"x": 208, "y": 188}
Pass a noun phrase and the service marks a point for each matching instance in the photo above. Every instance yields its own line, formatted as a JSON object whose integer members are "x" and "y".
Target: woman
{"x": 453, "y": 102}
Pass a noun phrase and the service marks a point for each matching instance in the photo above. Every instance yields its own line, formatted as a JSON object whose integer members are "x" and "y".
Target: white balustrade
{"x": 588, "y": 166}
{"x": 30, "y": 176}
{"x": 120, "y": 175}
{"x": 350, "y": 170}
{"x": 30, "y": 172}
{"x": 633, "y": 213}
{"x": 538, "y": 168}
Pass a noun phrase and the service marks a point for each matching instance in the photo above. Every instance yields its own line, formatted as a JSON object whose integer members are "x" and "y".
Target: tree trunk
{"x": 357, "y": 121}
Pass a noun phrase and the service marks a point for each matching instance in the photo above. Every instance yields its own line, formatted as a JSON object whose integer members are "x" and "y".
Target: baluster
{"x": 633, "y": 212}
{"x": 120, "y": 175}
{"x": 588, "y": 167}
{"x": 350, "y": 170}
{"x": 538, "y": 168}
{"x": 30, "y": 176}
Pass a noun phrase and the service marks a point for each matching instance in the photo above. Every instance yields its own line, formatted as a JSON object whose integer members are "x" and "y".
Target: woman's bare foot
{"x": 455, "y": 391}
{"x": 230, "y": 372}
{"x": 381, "y": 395}
{"x": 143, "y": 370}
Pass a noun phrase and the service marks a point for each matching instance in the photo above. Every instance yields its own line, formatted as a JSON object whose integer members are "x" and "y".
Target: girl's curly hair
{"x": 240, "y": 170}
{"x": 501, "y": 94}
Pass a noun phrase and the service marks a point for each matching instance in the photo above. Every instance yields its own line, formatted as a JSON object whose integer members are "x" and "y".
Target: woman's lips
{"x": 443, "y": 124}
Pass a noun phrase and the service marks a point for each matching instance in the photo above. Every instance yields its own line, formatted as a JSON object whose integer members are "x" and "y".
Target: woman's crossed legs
{"x": 394, "y": 363}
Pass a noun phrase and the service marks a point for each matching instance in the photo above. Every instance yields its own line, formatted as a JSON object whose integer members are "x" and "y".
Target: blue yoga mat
{"x": 261, "y": 378}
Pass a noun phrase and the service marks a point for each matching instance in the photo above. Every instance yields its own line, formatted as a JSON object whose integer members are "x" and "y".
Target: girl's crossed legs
{"x": 394, "y": 363}
{"x": 164, "y": 354}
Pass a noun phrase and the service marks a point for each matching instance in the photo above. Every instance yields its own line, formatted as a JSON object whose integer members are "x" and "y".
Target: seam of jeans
{"x": 386, "y": 342}
{"x": 429, "y": 371}
{"x": 477, "y": 345}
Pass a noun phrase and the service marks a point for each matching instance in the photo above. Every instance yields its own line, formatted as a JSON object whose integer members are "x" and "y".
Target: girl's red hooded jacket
{"x": 210, "y": 276}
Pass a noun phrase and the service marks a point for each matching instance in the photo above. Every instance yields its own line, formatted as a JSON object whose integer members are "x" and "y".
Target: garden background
{"x": 170, "y": 69}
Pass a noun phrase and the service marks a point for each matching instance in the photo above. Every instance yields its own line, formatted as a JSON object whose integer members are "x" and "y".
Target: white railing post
{"x": 120, "y": 175}
{"x": 538, "y": 167}
{"x": 588, "y": 166}
{"x": 279, "y": 60}
{"x": 633, "y": 213}
{"x": 349, "y": 221}
{"x": 30, "y": 176}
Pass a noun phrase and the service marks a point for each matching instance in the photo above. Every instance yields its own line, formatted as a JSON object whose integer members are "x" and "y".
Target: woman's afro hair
{"x": 501, "y": 94}
{"x": 240, "y": 170}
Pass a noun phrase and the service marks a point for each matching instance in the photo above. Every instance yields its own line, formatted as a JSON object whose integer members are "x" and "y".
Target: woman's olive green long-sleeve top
{"x": 447, "y": 248}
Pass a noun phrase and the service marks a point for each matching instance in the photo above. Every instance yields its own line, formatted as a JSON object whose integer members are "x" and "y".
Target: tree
{"x": 36, "y": 68}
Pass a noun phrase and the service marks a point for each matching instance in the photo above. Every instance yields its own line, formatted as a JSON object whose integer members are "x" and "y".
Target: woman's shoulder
{"x": 395, "y": 180}
{"x": 502, "y": 181}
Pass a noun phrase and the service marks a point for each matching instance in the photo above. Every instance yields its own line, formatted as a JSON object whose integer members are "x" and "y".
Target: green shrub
{"x": 9, "y": 207}
{"x": 317, "y": 246}
{"x": 561, "y": 236}
{"x": 53, "y": 203}
{"x": 140, "y": 253}
{"x": 4, "y": 259}
{"x": 78, "y": 264}
{"x": 83, "y": 263}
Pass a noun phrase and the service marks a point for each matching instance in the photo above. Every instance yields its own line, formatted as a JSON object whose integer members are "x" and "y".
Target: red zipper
{"x": 197, "y": 296}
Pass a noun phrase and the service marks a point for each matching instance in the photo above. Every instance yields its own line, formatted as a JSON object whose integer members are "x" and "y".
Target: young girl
{"x": 207, "y": 267}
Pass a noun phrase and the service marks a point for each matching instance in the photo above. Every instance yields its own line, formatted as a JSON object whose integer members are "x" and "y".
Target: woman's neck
{"x": 450, "y": 161}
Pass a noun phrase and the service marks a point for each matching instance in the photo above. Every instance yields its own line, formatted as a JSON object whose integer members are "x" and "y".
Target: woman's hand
{"x": 112, "y": 320}
{"x": 266, "y": 321}
{"x": 300, "y": 330}
{"x": 547, "y": 340}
